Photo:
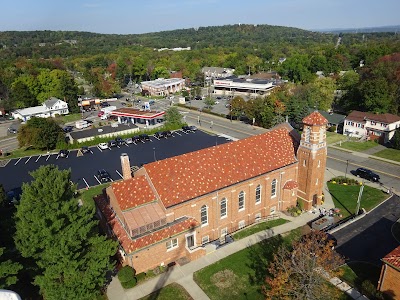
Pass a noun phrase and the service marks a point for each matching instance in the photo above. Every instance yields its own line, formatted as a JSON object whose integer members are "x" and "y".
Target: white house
{"x": 371, "y": 126}
{"x": 50, "y": 108}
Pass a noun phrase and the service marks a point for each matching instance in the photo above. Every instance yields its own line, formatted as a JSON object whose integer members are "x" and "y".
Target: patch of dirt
{"x": 224, "y": 279}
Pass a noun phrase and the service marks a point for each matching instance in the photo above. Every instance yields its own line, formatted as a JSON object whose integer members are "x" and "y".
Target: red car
{"x": 100, "y": 113}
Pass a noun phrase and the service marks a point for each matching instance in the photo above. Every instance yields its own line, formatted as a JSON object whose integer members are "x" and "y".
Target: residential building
{"x": 216, "y": 72}
{"x": 390, "y": 274}
{"x": 371, "y": 126}
{"x": 171, "y": 210}
{"x": 163, "y": 87}
{"x": 50, "y": 108}
{"x": 333, "y": 119}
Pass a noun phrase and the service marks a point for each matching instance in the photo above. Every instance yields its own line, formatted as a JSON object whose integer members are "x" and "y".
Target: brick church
{"x": 170, "y": 209}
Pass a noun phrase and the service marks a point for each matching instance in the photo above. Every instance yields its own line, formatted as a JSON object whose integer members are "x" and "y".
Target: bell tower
{"x": 311, "y": 155}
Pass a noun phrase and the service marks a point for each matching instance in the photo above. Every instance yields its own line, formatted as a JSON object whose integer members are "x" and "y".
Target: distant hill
{"x": 394, "y": 28}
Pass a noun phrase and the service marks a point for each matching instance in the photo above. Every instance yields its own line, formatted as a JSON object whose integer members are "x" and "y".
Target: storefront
{"x": 136, "y": 116}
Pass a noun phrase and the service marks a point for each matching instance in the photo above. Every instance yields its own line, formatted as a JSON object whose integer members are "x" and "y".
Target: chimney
{"x": 126, "y": 166}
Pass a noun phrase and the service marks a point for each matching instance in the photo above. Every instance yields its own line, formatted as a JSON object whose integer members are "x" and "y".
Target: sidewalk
{"x": 184, "y": 274}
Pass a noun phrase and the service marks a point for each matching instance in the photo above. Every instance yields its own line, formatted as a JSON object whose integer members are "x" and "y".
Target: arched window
{"x": 241, "y": 200}
{"x": 204, "y": 215}
{"x": 224, "y": 210}
{"x": 258, "y": 194}
{"x": 273, "y": 188}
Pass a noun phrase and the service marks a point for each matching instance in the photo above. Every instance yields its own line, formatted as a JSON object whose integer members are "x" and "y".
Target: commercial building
{"x": 174, "y": 210}
{"x": 216, "y": 72}
{"x": 50, "y": 108}
{"x": 163, "y": 87}
{"x": 129, "y": 115}
{"x": 248, "y": 86}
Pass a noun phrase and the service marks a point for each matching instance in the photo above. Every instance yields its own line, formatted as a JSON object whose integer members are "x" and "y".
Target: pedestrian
{"x": 199, "y": 122}
{"x": 211, "y": 124}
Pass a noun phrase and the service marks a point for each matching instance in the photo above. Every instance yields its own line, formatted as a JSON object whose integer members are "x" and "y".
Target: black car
{"x": 68, "y": 128}
{"x": 193, "y": 128}
{"x": 104, "y": 104}
{"x": 167, "y": 133}
{"x": 159, "y": 134}
{"x": 144, "y": 137}
{"x": 197, "y": 98}
{"x": 89, "y": 121}
{"x": 112, "y": 143}
{"x": 12, "y": 130}
{"x": 63, "y": 153}
{"x": 186, "y": 128}
{"x": 367, "y": 174}
{"x": 136, "y": 139}
{"x": 119, "y": 141}
{"x": 103, "y": 176}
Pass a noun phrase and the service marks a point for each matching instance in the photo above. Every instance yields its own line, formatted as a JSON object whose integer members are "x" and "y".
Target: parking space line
{"x": 58, "y": 155}
{"x": 95, "y": 177}
{"x": 155, "y": 137}
{"x": 17, "y": 161}
{"x": 119, "y": 174}
{"x": 28, "y": 159}
{"x": 85, "y": 182}
{"x": 134, "y": 143}
{"x": 177, "y": 133}
{"x": 99, "y": 149}
{"x": 48, "y": 157}
{"x": 38, "y": 158}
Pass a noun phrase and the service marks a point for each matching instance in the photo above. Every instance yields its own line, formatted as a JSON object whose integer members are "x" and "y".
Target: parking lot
{"x": 84, "y": 167}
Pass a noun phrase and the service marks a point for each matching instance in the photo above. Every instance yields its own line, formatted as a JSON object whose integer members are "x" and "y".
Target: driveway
{"x": 370, "y": 238}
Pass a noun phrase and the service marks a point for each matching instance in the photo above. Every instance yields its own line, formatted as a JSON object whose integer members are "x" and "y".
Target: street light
{"x": 347, "y": 166}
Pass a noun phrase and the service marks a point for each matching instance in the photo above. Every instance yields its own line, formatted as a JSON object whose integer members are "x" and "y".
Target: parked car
{"x": 144, "y": 137}
{"x": 159, "y": 135}
{"x": 136, "y": 139}
{"x": 112, "y": 143}
{"x": 197, "y": 98}
{"x": 68, "y": 128}
{"x": 367, "y": 174}
{"x": 128, "y": 141}
{"x": 119, "y": 141}
{"x": 63, "y": 153}
{"x": 103, "y": 146}
{"x": 186, "y": 128}
{"x": 167, "y": 133}
{"x": 104, "y": 104}
{"x": 89, "y": 121}
{"x": 12, "y": 130}
{"x": 193, "y": 128}
{"x": 103, "y": 176}
{"x": 100, "y": 113}
{"x": 85, "y": 149}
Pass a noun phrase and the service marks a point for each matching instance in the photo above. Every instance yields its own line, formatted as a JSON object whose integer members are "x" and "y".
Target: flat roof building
{"x": 138, "y": 116}
{"x": 234, "y": 85}
{"x": 163, "y": 87}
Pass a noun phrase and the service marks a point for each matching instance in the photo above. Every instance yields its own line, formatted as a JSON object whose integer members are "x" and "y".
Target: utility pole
{"x": 359, "y": 198}
{"x": 347, "y": 166}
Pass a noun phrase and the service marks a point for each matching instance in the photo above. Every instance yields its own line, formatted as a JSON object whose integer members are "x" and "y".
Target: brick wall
{"x": 389, "y": 282}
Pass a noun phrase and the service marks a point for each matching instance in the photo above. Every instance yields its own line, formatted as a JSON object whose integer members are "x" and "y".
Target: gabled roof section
{"x": 360, "y": 116}
{"x": 393, "y": 258}
{"x": 194, "y": 174}
{"x": 133, "y": 192}
{"x": 50, "y": 103}
{"x": 131, "y": 245}
{"x": 315, "y": 118}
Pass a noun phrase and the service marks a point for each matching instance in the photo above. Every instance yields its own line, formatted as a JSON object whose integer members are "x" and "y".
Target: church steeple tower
{"x": 312, "y": 154}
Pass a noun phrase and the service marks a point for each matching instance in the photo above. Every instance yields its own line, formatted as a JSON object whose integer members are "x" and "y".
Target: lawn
{"x": 391, "y": 154}
{"x": 345, "y": 197}
{"x": 70, "y": 118}
{"x": 358, "y": 146}
{"x": 257, "y": 228}
{"x": 171, "y": 291}
{"x": 87, "y": 195}
{"x": 333, "y": 137}
{"x": 242, "y": 274}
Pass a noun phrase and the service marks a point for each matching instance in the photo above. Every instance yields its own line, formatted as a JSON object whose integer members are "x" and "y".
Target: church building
{"x": 170, "y": 209}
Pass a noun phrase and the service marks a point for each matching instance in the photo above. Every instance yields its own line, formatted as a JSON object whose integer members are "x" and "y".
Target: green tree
{"x": 3, "y": 196}
{"x": 61, "y": 237}
{"x": 160, "y": 72}
{"x": 395, "y": 140}
{"x": 209, "y": 102}
{"x": 238, "y": 106}
{"x": 21, "y": 95}
{"x": 40, "y": 133}
{"x": 8, "y": 271}
{"x": 173, "y": 117}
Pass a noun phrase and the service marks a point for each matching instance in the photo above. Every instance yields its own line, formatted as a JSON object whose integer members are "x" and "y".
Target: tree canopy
{"x": 61, "y": 237}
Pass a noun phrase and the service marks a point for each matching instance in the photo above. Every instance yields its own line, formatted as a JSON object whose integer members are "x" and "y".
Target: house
{"x": 334, "y": 119}
{"x": 371, "y": 126}
{"x": 50, "y": 108}
{"x": 174, "y": 209}
{"x": 390, "y": 274}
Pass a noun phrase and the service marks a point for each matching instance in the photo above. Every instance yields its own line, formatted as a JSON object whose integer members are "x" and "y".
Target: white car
{"x": 128, "y": 140}
{"x": 103, "y": 146}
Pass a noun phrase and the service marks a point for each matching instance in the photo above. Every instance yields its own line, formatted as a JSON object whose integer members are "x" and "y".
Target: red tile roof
{"x": 133, "y": 192}
{"x": 393, "y": 258}
{"x": 131, "y": 245}
{"x": 194, "y": 174}
{"x": 360, "y": 116}
{"x": 315, "y": 118}
{"x": 290, "y": 185}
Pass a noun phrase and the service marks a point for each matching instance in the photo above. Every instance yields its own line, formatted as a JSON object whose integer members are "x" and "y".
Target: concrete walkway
{"x": 184, "y": 274}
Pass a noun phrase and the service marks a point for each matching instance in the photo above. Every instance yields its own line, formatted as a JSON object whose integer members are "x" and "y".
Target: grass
{"x": 359, "y": 146}
{"x": 70, "y": 118}
{"x": 87, "y": 195}
{"x": 171, "y": 291}
{"x": 345, "y": 197}
{"x": 257, "y": 228}
{"x": 392, "y": 154}
{"x": 333, "y": 137}
{"x": 242, "y": 274}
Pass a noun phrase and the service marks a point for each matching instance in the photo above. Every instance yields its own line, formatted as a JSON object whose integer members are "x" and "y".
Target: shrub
{"x": 129, "y": 284}
{"x": 126, "y": 274}
{"x": 300, "y": 204}
{"x": 368, "y": 288}
{"x": 141, "y": 277}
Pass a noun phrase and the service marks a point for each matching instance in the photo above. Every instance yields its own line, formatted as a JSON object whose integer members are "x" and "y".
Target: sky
{"x": 134, "y": 16}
